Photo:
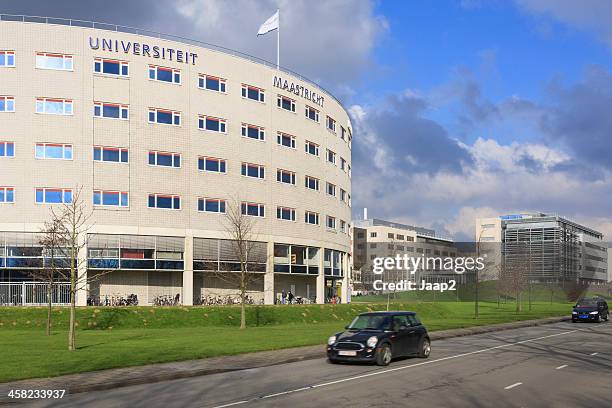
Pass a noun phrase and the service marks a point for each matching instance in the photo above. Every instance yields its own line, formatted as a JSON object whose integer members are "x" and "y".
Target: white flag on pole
{"x": 271, "y": 24}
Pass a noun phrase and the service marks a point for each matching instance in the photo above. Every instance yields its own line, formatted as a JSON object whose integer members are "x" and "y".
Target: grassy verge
{"x": 119, "y": 337}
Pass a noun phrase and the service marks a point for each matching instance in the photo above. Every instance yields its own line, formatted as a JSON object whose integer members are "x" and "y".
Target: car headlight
{"x": 372, "y": 341}
{"x": 331, "y": 340}
{"x": 574, "y": 312}
{"x": 595, "y": 312}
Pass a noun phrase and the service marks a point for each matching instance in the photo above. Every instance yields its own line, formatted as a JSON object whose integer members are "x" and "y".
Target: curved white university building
{"x": 162, "y": 137}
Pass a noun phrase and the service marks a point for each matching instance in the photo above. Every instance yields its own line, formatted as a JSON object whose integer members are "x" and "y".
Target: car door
{"x": 416, "y": 332}
{"x": 401, "y": 335}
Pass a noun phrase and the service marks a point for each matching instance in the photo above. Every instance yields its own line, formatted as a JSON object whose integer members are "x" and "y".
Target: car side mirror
{"x": 402, "y": 327}
{"x": 347, "y": 326}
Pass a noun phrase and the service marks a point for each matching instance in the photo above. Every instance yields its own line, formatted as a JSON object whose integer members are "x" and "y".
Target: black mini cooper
{"x": 379, "y": 337}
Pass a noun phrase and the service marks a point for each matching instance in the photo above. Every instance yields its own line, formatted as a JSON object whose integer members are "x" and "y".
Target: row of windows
{"x": 167, "y": 201}
{"x": 63, "y": 151}
{"x": 64, "y": 62}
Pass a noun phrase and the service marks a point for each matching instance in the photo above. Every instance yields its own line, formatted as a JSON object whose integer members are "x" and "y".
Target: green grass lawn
{"x": 119, "y": 337}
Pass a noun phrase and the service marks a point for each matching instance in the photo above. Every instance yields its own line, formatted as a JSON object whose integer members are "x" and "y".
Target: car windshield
{"x": 586, "y": 303}
{"x": 371, "y": 322}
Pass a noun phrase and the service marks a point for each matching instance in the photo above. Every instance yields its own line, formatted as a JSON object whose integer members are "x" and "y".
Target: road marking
{"x": 561, "y": 366}
{"x": 513, "y": 385}
{"x": 390, "y": 370}
{"x": 594, "y": 354}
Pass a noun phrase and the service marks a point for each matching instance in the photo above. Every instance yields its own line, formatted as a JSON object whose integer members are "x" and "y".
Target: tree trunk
{"x": 242, "y": 300}
{"x": 49, "y": 291}
{"x": 71, "y": 334}
{"x": 518, "y": 301}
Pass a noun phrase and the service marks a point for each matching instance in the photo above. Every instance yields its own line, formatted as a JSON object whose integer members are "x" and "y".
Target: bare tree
{"x": 240, "y": 230}
{"x": 53, "y": 269}
{"x": 514, "y": 273}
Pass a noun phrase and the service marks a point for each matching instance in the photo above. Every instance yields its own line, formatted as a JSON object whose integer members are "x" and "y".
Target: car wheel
{"x": 383, "y": 355}
{"x": 574, "y": 320}
{"x": 424, "y": 347}
{"x": 332, "y": 361}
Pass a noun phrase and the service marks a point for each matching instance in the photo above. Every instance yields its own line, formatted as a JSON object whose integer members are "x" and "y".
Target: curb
{"x": 169, "y": 371}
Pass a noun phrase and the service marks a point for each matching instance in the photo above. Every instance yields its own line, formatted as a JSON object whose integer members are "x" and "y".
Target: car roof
{"x": 388, "y": 313}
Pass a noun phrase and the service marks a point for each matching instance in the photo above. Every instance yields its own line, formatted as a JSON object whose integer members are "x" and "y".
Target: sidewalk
{"x": 122, "y": 377}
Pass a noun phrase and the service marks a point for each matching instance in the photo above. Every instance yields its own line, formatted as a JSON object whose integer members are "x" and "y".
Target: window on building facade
{"x": 252, "y": 92}
{"x": 52, "y": 106}
{"x": 212, "y": 83}
{"x": 214, "y": 205}
{"x": 111, "y": 67}
{"x": 312, "y": 113}
{"x": 342, "y": 133}
{"x": 331, "y": 124}
{"x": 312, "y": 148}
{"x": 7, "y": 58}
{"x": 53, "y": 195}
{"x": 343, "y": 227}
{"x": 285, "y": 176}
{"x": 311, "y": 183}
{"x": 331, "y": 189}
{"x": 53, "y": 151}
{"x": 163, "y": 74}
{"x": 285, "y": 103}
{"x": 7, "y": 104}
{"x": 110, "y": 198}
{"x": 285, "y": 140}
{"x": 110, "y": 154}
{"x": 285, "y": 213}
{"x": 165, "y": 159}
{"x": 7, "y": 195}
{"x": 331, "y": 156}
{"x": 212, "y": 164}
{"x": 59, "y": 62}
{"x": 212, "y": 124}
{"x": 253, "y": 132}
{"x": 253, "y": 170}
{"x": 7, "y": 149}
{"x": 165, "y": 201}
{"x": 252, "y": 209}
{"x": 342, "y": 195}
{"x": 373, "y": 234}
{"x": 331, "y": 222}
{"x": 164, "y": 116}
{"x": 311, "y": 217}
{"x": 111, "y": 110}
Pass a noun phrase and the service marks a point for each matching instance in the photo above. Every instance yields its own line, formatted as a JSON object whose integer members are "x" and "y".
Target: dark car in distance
{"x": 379, "y": 337}
{"x": 588, "y": 310}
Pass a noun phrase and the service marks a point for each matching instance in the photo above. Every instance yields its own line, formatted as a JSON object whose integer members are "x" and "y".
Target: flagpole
{"x": 278, "y": 42}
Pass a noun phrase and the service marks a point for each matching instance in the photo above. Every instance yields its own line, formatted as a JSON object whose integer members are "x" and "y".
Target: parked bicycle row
{"x": 225, "y": 301}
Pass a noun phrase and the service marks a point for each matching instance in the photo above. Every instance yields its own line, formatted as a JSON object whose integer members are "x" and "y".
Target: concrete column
{"x": 82, "y": 283}
{"x": 345, "y": 279}
{"x": 321, "y": 278}
{"x": 269, "y": 276}
{"x": 188, "y": 271}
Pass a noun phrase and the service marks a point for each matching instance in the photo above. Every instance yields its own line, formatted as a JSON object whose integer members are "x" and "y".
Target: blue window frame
{"x": 110, "y": 154}
{"x": 165, "y": 159}
{"x": 53, "y": 196}
{"x": 285, "y": 213}
{"x": 7, "y": 195}
{"x": 212, "y": 124}
{"x": 285, "y": 176}
{"x": 253, "y": 170}
{"x": 212, "y": 164}
{"x": 57, "y": 151}
{"x": 110, "y": 198}
{"x": 164, "y": 116}
{"x": 111, "y": 67}
{"x": 7, "y": 149}
{"x": 253, "y": 132}
{"x": 7, "y": 104}
{"x": 253, "y": 209}
{"x": 111, "y": 110}
{"x": 7, "y": 58}
{"x": 165, "y": 201}
{"x": 253, "y": 93}
{"x": 215, "y": 205}
{"x": 163, "y": 74}
{"x": 211, "y": 83}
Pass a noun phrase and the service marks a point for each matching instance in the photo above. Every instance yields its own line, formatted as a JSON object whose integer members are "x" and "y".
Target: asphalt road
{"x": 546, "y": 366}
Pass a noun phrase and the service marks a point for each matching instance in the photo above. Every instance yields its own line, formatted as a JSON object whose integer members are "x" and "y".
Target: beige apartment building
{"x": 163, "y": 137}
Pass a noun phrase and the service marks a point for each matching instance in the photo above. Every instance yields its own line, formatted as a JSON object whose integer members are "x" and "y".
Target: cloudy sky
{"x": 461, "y": 108}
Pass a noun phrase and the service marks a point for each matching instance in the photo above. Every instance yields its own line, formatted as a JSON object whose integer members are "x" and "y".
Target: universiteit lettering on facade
{"x": 163, "y": 137}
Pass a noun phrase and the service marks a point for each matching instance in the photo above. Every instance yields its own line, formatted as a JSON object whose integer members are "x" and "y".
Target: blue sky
{"x": 460, "y": 108}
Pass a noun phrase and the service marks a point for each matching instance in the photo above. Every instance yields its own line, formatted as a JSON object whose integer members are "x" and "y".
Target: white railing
{"x": 33, "y": 294}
